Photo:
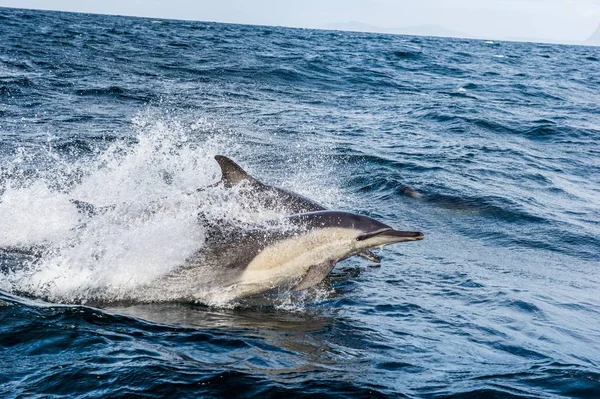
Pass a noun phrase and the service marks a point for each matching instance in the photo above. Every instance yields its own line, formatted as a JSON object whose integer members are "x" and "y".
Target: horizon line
{"x": 380, "y": 32}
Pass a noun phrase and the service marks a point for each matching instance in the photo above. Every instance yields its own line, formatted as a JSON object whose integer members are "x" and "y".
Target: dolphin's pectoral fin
{"x": 315, "y": 275}
{"x": 369, "y": 255}
{"x": 231, "y": 172}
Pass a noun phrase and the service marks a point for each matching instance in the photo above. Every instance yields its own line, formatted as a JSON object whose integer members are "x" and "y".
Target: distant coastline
{"x": 419, "y": 30}
{"x": 440, "y": 31}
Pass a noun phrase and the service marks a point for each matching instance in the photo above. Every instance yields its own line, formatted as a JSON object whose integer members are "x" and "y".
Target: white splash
{"x": 147, "y": 220}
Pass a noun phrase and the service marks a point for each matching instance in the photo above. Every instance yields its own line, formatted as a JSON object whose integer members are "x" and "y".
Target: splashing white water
{"x": 147, "y": 225}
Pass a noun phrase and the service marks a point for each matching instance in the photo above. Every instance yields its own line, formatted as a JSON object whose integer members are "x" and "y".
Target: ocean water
{"x": 502, "y": 141}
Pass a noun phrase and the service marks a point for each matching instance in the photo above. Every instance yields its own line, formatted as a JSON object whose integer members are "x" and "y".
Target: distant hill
{"x": 421, "y": 30}
{"x": 353, "y": 26}
{"x": 429, "y": 30}
{"x": 595, "y": 38}
{"x": 438, "y": 30}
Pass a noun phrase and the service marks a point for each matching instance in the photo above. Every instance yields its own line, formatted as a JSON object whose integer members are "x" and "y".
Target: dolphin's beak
{"x": 411, "y": 235}
{"x": 393, "y": 235}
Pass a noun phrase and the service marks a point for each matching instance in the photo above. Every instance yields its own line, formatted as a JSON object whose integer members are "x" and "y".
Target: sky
{"x": 546, "y": 20}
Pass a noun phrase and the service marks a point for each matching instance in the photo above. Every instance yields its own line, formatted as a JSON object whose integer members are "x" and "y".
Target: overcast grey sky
{"x": 556, "y": 20}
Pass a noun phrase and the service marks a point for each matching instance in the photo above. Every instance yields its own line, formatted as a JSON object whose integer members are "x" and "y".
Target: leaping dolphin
{"x": 295, "y": 253}
{"x": 272, "y": 197}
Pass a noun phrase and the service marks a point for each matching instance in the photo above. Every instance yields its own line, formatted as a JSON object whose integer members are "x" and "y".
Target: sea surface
{"x": 501, "y": 140}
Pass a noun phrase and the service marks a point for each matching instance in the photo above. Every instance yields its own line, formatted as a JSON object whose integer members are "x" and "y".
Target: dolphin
{"x": 290, "y": 254}
{"x": 272, "y": 197}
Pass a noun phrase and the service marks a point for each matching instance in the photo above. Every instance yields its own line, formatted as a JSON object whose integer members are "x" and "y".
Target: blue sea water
{"x": 502, "y": 141}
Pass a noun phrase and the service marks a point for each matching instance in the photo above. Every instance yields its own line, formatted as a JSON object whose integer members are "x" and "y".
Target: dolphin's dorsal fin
{"x": 231, "y": 172}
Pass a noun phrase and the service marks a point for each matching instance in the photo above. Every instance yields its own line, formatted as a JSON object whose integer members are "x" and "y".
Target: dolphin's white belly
{"x": 286, "y": 262}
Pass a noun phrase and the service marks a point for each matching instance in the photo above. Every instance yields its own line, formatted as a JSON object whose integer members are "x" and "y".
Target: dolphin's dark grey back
{"x": 282, "y": 198}
{"x": 339, "y": 219}
{"x": 269, "y": 196}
